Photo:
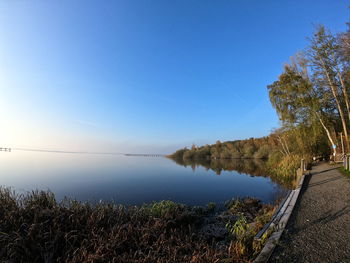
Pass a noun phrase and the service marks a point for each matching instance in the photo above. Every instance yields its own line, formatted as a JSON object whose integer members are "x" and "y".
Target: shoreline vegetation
{"x": 280, "y": 165}
{"x": 36, "y": 228}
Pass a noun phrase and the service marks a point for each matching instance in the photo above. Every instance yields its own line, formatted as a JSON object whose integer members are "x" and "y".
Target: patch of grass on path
{"x": 343, "y": 171}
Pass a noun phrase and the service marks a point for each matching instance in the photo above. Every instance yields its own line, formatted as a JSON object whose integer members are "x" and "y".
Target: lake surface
{"x": 133, "y": 180}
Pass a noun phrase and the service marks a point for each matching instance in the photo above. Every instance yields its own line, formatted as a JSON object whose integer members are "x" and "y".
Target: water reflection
{"x": 136, "y": 180}
{"x": 252, "y": 167}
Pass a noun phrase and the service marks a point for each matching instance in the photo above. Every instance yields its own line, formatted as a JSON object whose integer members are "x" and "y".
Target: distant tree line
{"x": 247, "y": 149}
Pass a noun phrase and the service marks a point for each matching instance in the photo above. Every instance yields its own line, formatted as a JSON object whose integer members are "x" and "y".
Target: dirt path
{"x": 319, "y": 227}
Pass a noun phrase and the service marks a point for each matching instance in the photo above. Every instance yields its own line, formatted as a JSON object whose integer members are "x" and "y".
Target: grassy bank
{"x": 36, "y": 228}
{"x": 344, "y": 171}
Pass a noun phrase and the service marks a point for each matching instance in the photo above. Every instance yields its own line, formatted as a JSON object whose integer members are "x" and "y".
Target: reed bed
{"x": 36, "y": 228}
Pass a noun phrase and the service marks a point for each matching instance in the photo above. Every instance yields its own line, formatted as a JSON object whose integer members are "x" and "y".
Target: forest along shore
{"x": 318, "y": 229}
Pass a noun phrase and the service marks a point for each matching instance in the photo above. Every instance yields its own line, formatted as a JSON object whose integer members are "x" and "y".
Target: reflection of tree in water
{"x": 252, "y": 167}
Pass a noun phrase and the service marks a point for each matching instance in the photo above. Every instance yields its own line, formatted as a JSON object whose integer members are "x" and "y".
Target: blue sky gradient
{"x": 151, "y": 76}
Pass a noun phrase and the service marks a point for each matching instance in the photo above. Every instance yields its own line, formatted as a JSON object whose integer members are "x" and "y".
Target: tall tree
{"x": 297, "y": 103}
{"x": 326, "y": 68}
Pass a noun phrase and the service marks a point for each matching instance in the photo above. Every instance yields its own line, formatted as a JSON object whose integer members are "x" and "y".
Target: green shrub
{"x": 159, "y": 209}
{"x": 274, "y": 158}
{"x": 288, "y": 165}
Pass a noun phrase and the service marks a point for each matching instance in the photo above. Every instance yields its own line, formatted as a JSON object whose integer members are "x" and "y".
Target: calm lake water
{"x": 135, "y": 180}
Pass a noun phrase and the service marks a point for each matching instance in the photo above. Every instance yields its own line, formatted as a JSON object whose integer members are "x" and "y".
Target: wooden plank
{"x": 280, "y": 225}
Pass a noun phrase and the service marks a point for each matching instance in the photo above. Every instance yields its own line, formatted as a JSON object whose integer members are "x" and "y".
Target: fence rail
{"x": 279, "y": 220}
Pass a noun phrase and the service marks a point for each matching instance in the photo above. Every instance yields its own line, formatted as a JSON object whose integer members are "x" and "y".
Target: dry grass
{"x": 36, "y": 228}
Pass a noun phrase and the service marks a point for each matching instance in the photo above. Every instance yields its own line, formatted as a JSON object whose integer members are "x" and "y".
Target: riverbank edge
{"x": 279, "y": 222}
{"x": 170, "y": 156}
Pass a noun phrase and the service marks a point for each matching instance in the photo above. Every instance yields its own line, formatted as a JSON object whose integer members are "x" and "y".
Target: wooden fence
{"x": 279, "y": 220}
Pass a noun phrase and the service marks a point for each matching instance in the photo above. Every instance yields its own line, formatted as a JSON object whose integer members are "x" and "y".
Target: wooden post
{"x": 302, "y": 166}
{"x": 347, "y": 162}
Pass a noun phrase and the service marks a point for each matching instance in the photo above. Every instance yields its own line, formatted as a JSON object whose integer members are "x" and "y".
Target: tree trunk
{"x": 346, "y": 97}
{"x": 335, "y": 95}
{"x": 328, "y": 134}
{"x": 284, "y": 146}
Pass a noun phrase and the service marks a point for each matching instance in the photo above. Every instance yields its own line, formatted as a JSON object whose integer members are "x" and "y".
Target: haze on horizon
{"x": 147, "y": 76}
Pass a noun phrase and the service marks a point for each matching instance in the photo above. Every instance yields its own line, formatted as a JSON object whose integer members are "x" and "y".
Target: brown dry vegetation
{"x": 36, "y": 228}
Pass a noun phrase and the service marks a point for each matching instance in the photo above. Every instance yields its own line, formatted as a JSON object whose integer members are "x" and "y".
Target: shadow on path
{"x": 328, "y": 217}
{"x": 326, "y": 181}
{"x": 331, "y": 216}
{"x": 324, "y": 171}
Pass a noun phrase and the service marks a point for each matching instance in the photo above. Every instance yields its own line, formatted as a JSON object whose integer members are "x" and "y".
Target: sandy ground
{"x": 319, "y": 227}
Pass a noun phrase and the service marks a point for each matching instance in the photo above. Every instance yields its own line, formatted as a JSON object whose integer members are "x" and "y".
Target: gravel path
{"x": 319, "y": 228}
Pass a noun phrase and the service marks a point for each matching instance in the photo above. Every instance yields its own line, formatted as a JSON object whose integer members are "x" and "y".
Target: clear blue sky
{"x": 147, "y": 75}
